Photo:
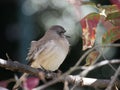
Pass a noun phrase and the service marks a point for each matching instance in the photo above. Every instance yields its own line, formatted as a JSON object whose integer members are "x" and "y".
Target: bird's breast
{"x": 52, "y": 55}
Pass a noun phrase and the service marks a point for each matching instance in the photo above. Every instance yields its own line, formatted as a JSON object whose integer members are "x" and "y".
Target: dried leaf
{"x": 109, "y": 9}
{"x": 116, "y": 2}
{"x": 111, "y": 35}
{"x": 113, "y": 15}
{"x": 91, "y": 58}
{"x": 114, "y": 18}
{"x": 107, "y": 24}
{"x": 3, "y": 83}
{"x": 89, "y": 24}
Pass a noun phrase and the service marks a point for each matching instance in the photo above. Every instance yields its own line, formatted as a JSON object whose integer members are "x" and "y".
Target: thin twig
{"x": 114, "y": 78}
{"x": 90, "y": 50}
{"x": 101, "y": 51}
{"x": 66, "y": 85}
{"x": 102, "y": 63}
{"x": 82, "y": 81}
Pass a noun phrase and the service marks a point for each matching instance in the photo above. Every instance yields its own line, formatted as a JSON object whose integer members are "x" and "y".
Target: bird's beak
{"x": 67, "y": 36}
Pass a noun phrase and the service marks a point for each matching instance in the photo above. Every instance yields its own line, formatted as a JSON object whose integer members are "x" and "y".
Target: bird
{"x": 50, "y": 51}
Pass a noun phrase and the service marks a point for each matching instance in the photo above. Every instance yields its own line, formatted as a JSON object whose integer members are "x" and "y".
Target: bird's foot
{"x": 59, "y": 73}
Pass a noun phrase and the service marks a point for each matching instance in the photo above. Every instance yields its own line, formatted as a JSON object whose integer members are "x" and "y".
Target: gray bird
{"x": 50, "y": 51}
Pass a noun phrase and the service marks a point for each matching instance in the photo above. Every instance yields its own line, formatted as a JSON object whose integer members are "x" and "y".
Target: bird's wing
{"x": 31, "y": 52}
{"x": 36, "y": 49}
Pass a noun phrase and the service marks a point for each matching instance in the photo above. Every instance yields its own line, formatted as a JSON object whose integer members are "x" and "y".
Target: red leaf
{"x": 89, "y": 24}
{"x": 3, "y": 83}
{"x": 116, "y": 2}
{"x": 30, "y": 83}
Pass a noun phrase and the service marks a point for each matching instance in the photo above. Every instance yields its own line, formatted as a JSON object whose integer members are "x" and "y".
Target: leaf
{"x": 108, "y": 25}
{"x": 89, "y": 24}
{"x": 88, "y": 3}
{"x": 109, "y": 9}
{"x": 111, "y": 35}
{"x": 114, "y": 18}
{"x": 113, "y": 15}
{"x": 116, "y": 2}
{"x": 91, "y": 58}
{"x": 30, "y": 83}
{"x": 3, "y": 83}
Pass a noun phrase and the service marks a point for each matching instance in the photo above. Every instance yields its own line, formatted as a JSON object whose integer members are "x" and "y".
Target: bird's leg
{"x": 59, "y": 72}
{"x": 42, "y": 73}
{"x": 44, "y": 70}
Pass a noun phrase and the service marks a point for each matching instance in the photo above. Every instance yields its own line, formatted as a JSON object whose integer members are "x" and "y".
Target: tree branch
{"x": 114, "y": 78}
{"x": 87, "y": 52}
{"x": 16, "y": 66}
{"x": 97, "y": 65}
{"x": 73, "y": 79}
{"x": 82, "y": 81}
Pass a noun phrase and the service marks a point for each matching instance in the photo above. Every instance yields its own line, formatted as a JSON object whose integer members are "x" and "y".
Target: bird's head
{"x": 58, "y": 29}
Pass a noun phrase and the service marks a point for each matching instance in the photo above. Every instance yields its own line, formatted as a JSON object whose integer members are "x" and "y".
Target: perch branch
{"x": 73, "y": 79}
{"x": 16, "y": 66}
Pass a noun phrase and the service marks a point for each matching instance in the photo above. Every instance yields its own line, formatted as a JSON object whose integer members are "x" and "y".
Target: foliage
{"x": 110, "y": 18}
{"x": 89, "y": 24}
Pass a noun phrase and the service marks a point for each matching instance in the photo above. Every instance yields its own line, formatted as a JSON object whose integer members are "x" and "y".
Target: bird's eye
{"x": 60, "y": 32}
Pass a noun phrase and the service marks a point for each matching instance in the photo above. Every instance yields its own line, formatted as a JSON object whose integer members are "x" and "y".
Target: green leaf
{"x": 111, "y": 35}
{"x": 113, "y": 15}
{"x": 110, "y": 8}
{"x": 91, "y": 57}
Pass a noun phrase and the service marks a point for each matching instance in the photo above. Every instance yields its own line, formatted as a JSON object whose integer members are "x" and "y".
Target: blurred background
{"x": 22, "y": 21}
